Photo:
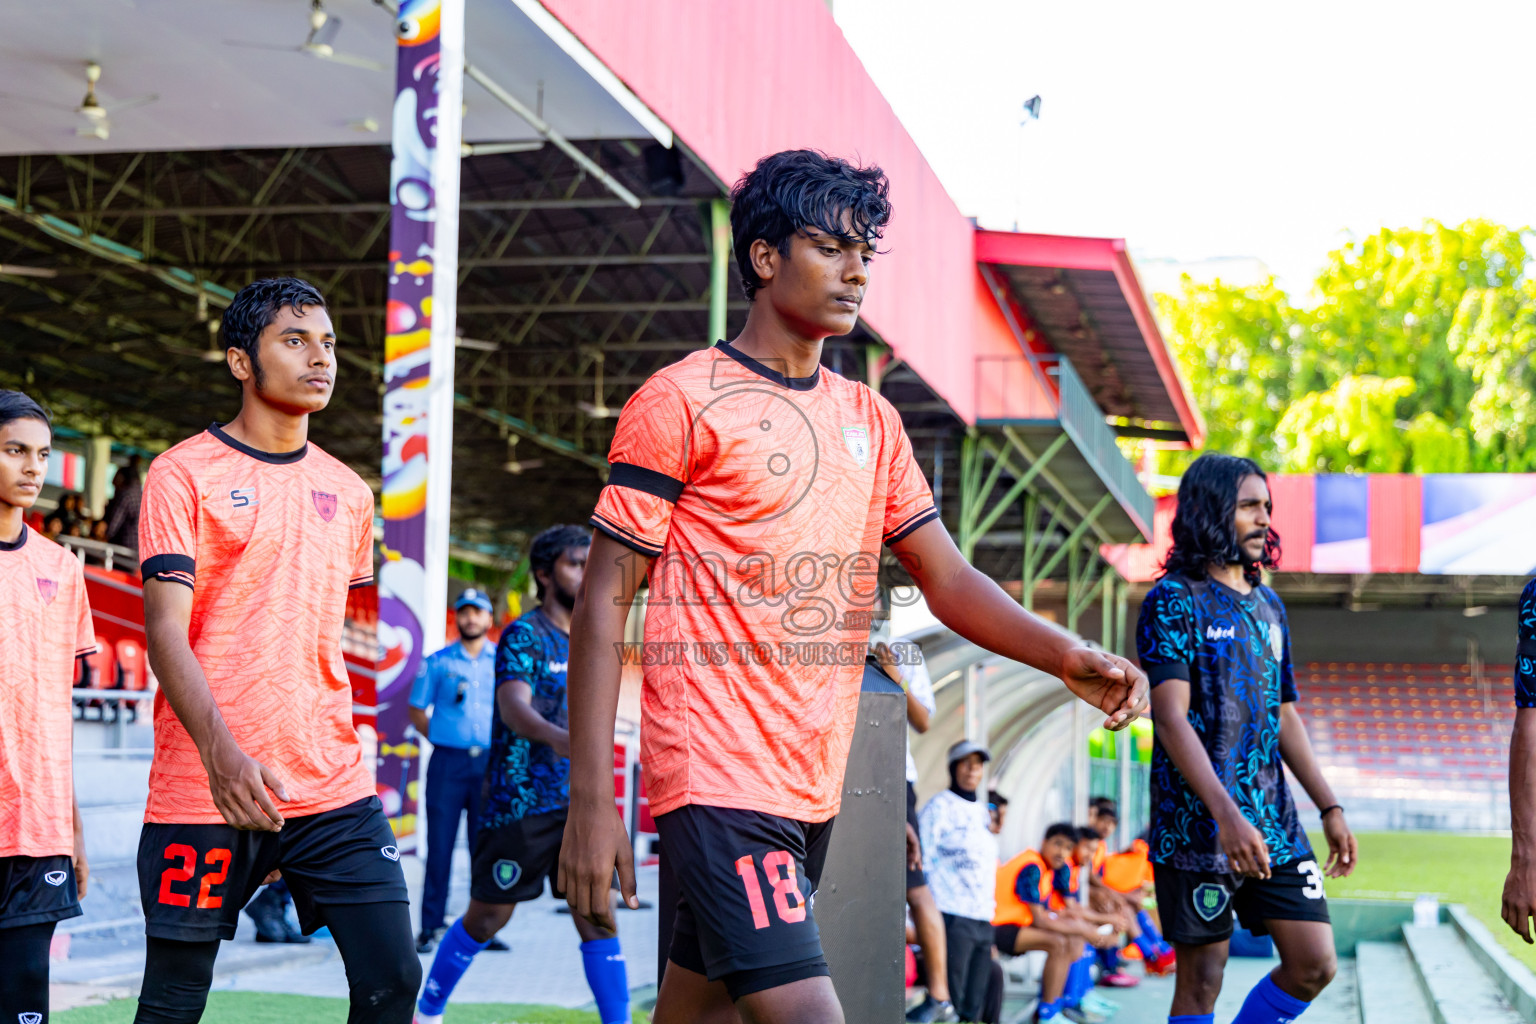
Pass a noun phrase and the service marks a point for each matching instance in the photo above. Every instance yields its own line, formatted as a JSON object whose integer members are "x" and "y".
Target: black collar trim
{"x": 276, "y": 458}
{"x": 793, "y": 383}
{"x": 15, "y": 545}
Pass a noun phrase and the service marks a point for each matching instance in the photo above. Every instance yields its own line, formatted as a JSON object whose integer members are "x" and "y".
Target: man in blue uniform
{"x": 1520, "y": 885}
{"x": 1225, "y": 837}
{"x": 458, "y": 684}
{"x": 528, "y": 788}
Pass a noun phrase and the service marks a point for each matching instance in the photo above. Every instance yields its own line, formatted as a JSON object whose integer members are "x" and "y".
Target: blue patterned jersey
{"x": 1525, "y": 654}
{"x": 524, "y": 777}
{"x": 1235, "y": 651}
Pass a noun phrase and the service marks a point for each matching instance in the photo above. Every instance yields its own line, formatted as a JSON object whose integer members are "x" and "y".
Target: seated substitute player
{"x": 1225, "y": 835}
{"x": 45, "y": 625}
{"x": 1157, "y": 956}
{"x": 1025, "y": 921}
{"x": 1082, "y": 870}
{"x": 1520, "y": 885}
{"x": 250, "y": 538}
{"x": 528, "y": 788}
{"x": 754, "y": 487}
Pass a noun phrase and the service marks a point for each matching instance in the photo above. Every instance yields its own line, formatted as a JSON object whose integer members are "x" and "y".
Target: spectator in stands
{"x": 70, "y": 511}
{"x": 1520, "y": 885}
{"x": 54, "y": 528}
{"x": 911, "y": 674}
{"x": 122, "y": 515}
{"x": 997, "y": 806}
{"x": 962, "y": 863}
{"x": 458, "y": 684}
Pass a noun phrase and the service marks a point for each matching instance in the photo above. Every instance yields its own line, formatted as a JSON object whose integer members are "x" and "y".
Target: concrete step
{"x": 1459, "y": 990}
{"x": 1389, "y": 987}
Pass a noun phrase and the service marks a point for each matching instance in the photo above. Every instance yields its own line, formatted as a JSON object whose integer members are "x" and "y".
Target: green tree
{"x": 1417, "y": 354}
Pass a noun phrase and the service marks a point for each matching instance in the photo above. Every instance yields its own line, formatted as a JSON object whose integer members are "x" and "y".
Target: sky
{"x": 1199, "y": 130}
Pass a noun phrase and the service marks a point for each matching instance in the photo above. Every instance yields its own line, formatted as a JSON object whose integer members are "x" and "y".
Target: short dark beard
{"x": 565, "y": 600}
{"x": 466, "y": 635}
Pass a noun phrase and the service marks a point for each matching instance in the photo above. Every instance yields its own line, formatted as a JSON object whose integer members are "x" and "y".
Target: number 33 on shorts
{"x": 1314, "y": 887}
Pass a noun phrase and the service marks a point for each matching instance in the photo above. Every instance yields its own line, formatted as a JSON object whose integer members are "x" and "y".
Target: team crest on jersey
{"x": 1277, "y": 639}
{"x": 49, "y": 589}
{"x": 55, "y": 877}
{"x": 505, "y": 873}
{"x": 857, "y": 440}
{"x": 392, "y": 852}
{"x": 1210, "y": 900}
{"x": 325, "y": 504}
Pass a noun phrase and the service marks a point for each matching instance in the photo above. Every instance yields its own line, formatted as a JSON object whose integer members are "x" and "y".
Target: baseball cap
{"x": 965, "y": 748}
{"x": 474, "y": 597}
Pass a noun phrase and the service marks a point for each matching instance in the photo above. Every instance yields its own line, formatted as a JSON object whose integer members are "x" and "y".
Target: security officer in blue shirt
{"x": 458, "y": 683}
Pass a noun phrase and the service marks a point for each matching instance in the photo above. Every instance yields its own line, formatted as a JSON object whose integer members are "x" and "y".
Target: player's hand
{"x": 239, "y": 785}
{"x": 886, "y": 659}
{"x": 272, "y": 876}
{"x": 1520, "y": 896}
{"x": 1343, "y": 851}
{"x": 1108, "y": 682}
{"x": 914, "y": 851}
{"x": 82, "y": 869}
{"x": 595, "y": 844}
{"x": 1244, "y": 846}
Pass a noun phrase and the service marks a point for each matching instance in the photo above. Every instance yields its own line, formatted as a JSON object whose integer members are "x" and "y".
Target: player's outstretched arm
{"x": 1520, "y": 886}
{"x": 969, "y": 603}
{"x": 596, "y": 842}
{"x": 1240, "y": 841}
{"x": 238, "y": 783}
{"x": 1296, "y": 751}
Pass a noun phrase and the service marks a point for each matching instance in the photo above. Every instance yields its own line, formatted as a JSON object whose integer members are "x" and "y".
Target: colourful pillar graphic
{"x": 418, "y": 378}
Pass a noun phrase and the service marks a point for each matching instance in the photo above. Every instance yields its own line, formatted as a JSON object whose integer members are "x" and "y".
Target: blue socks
{"x": 1149, "y": 935}
{"x": 608, "y": 979}
{"x": 1109, "y": 959}
{"x": 454, "y": 955}
{"x": 1048, "y": 1011}
{"x": 1267, "y": 1004}
{"x": 1193, "y": 1018}
{"x": 1079, "y": 979}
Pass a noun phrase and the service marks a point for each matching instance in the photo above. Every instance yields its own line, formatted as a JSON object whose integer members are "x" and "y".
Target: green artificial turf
{"x": 1456, "y": 868}
{"x": 266, "y": 1008}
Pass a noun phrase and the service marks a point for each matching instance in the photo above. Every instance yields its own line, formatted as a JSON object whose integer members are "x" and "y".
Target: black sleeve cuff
{"x": 904, "y": 530}
{"x": 624, "y": 537}
{"x": 170, "y": 569}
{"x": 638, "y": 478}
{"x": 1162, "y": 673}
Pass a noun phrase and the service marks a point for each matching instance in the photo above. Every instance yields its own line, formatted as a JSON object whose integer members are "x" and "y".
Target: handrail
{"x": 1083, "y": 421}
{"x": 108, "y": 553}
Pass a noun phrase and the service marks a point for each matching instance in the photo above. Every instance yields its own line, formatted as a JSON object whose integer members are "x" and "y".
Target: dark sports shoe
{"x": 496, "y": 946}
{"x": 931, "y": 1009}
{"x": 426, "y": 942}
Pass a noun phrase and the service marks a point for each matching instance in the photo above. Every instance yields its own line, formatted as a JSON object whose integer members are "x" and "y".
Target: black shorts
{"x": 916, "y": 877}
{"x": 1006, "y": 938}
{"x": 1196, "y": 907}
{"x": 747, "y": 886}
{"x": 194, "y": 879}
{"x": 511, "y": 861}
{"x": 36, "y": 890}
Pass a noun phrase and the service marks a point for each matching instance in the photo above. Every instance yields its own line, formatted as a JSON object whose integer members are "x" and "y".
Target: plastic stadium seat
{"x": 131, "y": 664}
{"x": 101, "y": 666}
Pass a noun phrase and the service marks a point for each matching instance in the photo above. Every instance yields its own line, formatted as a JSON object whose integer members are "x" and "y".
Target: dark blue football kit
{"x": 1234, "y": 650}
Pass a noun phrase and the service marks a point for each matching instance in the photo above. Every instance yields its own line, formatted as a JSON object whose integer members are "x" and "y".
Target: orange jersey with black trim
{"x": 1128, "y": 871}
{"x": 45, "y": 624}
{"x": 764, "y": 501}
{"x": 269, "y": 545}
{"x": 1010, "y": 908}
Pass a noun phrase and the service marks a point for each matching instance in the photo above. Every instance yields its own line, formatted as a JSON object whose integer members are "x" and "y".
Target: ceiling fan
{"x": 95, "y": 119}
{"x": 322, "y": 34}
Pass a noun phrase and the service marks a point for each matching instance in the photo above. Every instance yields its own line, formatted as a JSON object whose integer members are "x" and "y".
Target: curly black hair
{"x": 1204, "y": 527}
{"x": 255, "y": 306}
{"x": 798, "y": 190}
{"x": 1061, "y": 828}
{"x": 549, "y": 545}
{"x": 17, "y": 406}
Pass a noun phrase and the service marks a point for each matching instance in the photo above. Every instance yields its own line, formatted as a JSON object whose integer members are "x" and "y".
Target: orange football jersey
{"x": 764, "y": 501}
{"x": 45, "y": 624}
{"x": 270, "y": 545}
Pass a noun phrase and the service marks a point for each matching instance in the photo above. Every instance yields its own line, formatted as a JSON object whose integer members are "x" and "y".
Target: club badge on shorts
{"x": 55, "y": 878}
{"x": 1210, "y": 900}
{"x": 505, "y": 873}
{"x": 857, "y": 441}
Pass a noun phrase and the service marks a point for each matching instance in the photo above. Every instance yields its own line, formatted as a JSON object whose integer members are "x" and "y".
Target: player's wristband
{"x": 1331, "y": 807}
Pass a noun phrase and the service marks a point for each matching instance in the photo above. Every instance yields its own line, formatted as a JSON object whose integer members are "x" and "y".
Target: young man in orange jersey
{"x": 754, "y": 488}
{"x": 45, "y": 625}
{"x": 249, "y": 538}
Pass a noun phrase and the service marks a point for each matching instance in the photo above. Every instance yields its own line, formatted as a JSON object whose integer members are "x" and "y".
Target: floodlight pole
{"x": 418, "y": 378}
{"x": 719, "y": 266}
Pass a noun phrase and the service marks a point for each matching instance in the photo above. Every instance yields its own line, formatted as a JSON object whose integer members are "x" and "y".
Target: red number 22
{"x": 188, "y": 858}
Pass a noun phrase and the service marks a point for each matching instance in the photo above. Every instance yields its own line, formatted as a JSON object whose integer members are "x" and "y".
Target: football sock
{"x": 608, "y": 978}
{"x": 1150, "y": 933}
{"x": 454, "y": 955}
{"x": 24, "y": 980}
{"x": 1193, "y": 1018}
{"x": 1109, "y": 959}
{"x": 1048, "y": 1011}
{"x": 1079, "y": 979}
{"x": 1267, "y": 1004}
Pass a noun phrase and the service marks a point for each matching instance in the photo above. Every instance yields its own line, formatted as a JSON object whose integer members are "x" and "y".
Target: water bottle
{"x": 1426, "y": 911}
